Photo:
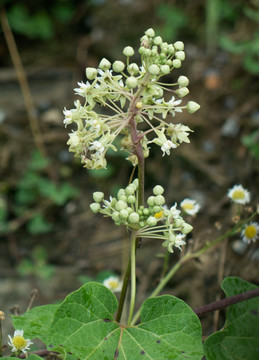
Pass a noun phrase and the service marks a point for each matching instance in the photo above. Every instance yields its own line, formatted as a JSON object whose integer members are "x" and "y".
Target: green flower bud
{"x": 158, "y": 40}
{"x": 133, "y": 218}
{"x": 129, "y": 209}
{"x": 151, "y": 201}
{"x": 142, "y": 224}
{"x": 146, "y": 211}
{"x": 158, "y": 190}
{"x": 192, "y": 106}
{"x": 131, "y": 199}
{"x": 151, "y": 221}
{"x": 147, "y": 52}
{"x": 165, "y": 69}
{"x": 133, "y": 69}
{"x": 105, "y": 64}
{"x": 186, "y": 228}
{"x": 95, "y": 207}
{"x": 182, "y": 91}
{"x": 91, "y": 73}
{"x": 164, "y": 47}
{"x": 130, "y": 190}
{"x": 124, "y": 214}
{"x": 128, "y": 51}
{"x": 179, "y": 45}
{"x": 135, "y": 183}
{"x": 171, "y": 49}
{"x": 157, "y": 209}
{"x": 159, "y": 200}
{"x": 178, "y": 222}
{"x": 183, "y": 81}
{"x": 120, "y": 205}
{"x": 154, "y": 69}
{"x": 177, "y": 63}
{"x": 116, "y": 216}
{"x": 180, "y": 55}
{"x": 141, "y": 50}
{"x": 131, "y": 82}
{"x": 150, "y": 32}
{"x": 98, "y": 196}
{"x": 118, "y": 66}
{"x": 121, "y": 192}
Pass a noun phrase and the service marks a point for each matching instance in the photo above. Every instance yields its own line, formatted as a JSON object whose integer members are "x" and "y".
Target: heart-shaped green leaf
{"x": 239, "y": 339}
{"x": 84, "y": 326}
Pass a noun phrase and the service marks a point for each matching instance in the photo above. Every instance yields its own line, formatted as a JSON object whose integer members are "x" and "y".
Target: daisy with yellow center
{"x": 250, "y": 232}
{"x": 113, "y": 283}
{"x": 18, "y": 342}
{"x": 191, "y": 207}
{"x": 239, "y": 194}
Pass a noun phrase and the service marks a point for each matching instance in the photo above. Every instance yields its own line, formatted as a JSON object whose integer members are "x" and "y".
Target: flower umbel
{"x": 239, "y": 194}
{"x": 250, "y": 232}
{"x": 191, "y": 207}
{"x": 18, "y": 342}
{"x": 113, "y": 283}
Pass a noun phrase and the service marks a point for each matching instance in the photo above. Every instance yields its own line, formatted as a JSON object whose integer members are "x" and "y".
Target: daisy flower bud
{"x": 250, "y": 232}
{"x": 192, "y": 106}
{"x": 128, "y": 51}
{"x": 113, "y": 283}
{"x": 239, "y": 195}
{"x": 179, "y": 45}
{"x": 98, "y": 196}
{"x": 95, "y": 207}
{"x": 131, "y": 82}
{"x": 118, "y": 66}
{"x": 183, "y": 81}
{"x": 105, "y": 64}
{"x": 91, "y": 73}
{"x": 158, "y": 190}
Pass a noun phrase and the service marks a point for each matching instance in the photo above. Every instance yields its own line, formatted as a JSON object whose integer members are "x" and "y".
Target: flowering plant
{"x": 128, "y": 101}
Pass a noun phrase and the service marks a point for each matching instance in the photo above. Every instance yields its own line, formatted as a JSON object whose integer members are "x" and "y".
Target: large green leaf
{"x": 84, "y": 326}
{"x": 239, "y": 339}
{"x": 36, "y": 322}
{"x": 30, "y": 357}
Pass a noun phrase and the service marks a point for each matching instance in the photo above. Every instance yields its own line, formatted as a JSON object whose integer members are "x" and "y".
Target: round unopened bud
{"x": 133, "y": 69}
{"x": 133, "y": 218}
{"x": 121, "y": 192}
{"x": 95, "y": 207}
{"x": 192, "y": 106}
{"x": 179, "y": 45}
{"x": 131, "y": 82}
{"x": 98, "y": 196}
{"x": 158, "y": 190}
{"x": 147, "y": 52}
{"x": 141, "y": 50}
{"x": 177, "y": 63}
{"x": 171, "y": 49}
{"x": 186, "y": 228}
{"x": 124, "y": 214}
{"x": 91, "y": 73}
{"x": 157, "y": 209}
{"x": 150, "y": 32}
{"x": 182, "y": 91}
{"x": 151, "y": 221}
{"x": 131, "y": 199}
{"x": 139, "y": 104}
{"x": 158, "y": 40}
{"x": 151, "y": 201}
{"x": 180, "y": 55}
{"x": 120, "y": 205}
{"x": 154, "y": 69}
{"x": 116, "y": 216}
{"x": 135, "y": 183}
{"x": 130, "y": 190}
{"x": 165, "y": 69}
{"x": 164, "y": 47}
{"x": 128, "y": 51}
{"x": 183, "y": 81}
{"x": 146, "y": 212}
{"x": 159, "y": 200}
{"x": 105, "y": 64}
{"x": 118, "y": 66}
{"x": 178, "y": 222}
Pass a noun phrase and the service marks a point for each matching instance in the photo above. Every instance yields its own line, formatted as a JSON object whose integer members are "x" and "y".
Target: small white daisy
{"x": 191, "y": 207}
{"x": 239, "y": 195}
{"x": 113, "y": 283}
{"x": 18, "y": 342}
{"x": 250, "y": 232}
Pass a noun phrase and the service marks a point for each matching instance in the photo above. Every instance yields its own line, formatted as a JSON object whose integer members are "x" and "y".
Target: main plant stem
{"x": 138, "y": 151}
{"x": 133, "y": 276}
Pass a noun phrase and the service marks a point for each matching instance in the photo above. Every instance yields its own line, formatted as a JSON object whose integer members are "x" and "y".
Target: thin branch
{"x": 221, "y": 304}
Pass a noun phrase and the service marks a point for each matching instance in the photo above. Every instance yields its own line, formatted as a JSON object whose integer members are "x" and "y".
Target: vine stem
{"x": 188, "y": 257}
{"x": 133, "y": 276}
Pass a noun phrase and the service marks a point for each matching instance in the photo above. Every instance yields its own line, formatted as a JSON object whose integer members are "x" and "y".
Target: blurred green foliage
{"x": 251, "y": 141}
{"x": 100, "y": 277}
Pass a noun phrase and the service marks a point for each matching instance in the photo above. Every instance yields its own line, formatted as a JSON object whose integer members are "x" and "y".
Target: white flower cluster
{"x": 141, "y": 89}
{"x": 152, "y": 221}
